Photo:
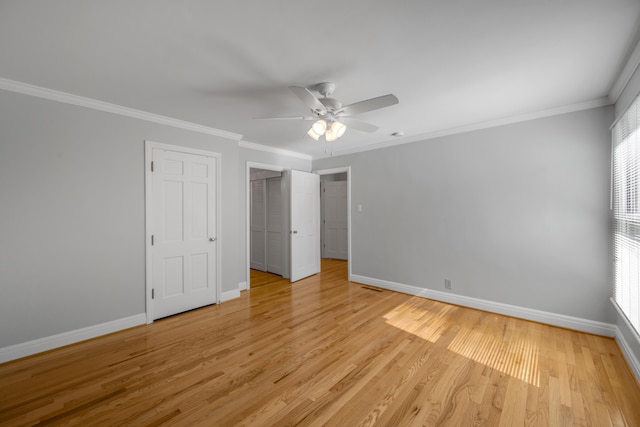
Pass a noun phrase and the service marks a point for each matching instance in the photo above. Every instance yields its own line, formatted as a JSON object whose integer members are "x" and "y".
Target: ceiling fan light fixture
{"x": 335, "y": 131}
{"x": 313, "y": 134}
{"x": 327, "y": 112}
{"x": 338, "y": 129}
{"x": 319, "y": 127}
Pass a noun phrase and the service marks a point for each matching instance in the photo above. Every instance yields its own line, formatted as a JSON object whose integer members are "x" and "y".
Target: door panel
{"x": 335, "y": 219}
{"x": 258, "y": 225}
{"x": 183, "y": 254}
{"x": 305, "y": 224}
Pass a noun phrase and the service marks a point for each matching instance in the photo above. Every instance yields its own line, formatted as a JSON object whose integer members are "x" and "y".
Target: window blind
{"x": 626, "y": 213}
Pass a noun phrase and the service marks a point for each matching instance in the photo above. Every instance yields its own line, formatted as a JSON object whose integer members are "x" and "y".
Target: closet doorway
{"x": 266, "y": 221}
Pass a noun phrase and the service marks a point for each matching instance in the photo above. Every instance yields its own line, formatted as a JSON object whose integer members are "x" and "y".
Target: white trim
{"x": 28, "y": 348}
{"x": 600, "y": 102}
{"x": 626, "y": 348}
{"x": 561, "y": 320}
{"x": 628, "y": 353}
{"x": 343, "y": 169}
{"x": 274, "y": 150}
{"x": 81, "y": 101}
{"x": 249, "y": 166}
{"x": 148, "y": 150}
{"x": 625, "y": 75}
{"x": 242, "y": 286}
{"x": 229, "y": 295}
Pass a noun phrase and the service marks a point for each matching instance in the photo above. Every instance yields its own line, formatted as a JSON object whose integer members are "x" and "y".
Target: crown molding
{"x": 81, "y": 101}
{"x": 600, "y": 102}
{"x": 625, "y": 75}
{"x": 274, "y": 150}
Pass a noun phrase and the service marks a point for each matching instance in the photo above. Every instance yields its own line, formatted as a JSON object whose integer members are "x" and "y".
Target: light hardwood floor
{"x": 324, "y": 351}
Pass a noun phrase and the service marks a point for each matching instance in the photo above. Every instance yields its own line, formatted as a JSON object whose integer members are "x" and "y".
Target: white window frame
{"x": 625, "y": 204}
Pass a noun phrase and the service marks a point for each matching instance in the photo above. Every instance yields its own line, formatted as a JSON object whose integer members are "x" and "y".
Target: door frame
{"x": 332, "y": 171}
{"x": 249, "y": 166}
{"x": 148, "y": 204}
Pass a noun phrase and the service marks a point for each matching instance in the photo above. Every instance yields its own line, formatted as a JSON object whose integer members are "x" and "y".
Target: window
{"x": 626, "y": 213}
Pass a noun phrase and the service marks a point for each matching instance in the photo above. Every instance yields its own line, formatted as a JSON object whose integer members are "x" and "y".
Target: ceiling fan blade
{"x": 286, "y": 118}
{"x": 309, "y": 99}
{"x": 358, "y": 124}
{"x": 368, "y": 105}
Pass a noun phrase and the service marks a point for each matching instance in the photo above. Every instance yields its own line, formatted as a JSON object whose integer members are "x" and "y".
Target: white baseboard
{"x": 39, "y": 345}
{"x": 229, "y": 295}
{"x": 28, "y": 348}
{"x": 628, "y": 354}
{"x": 242, "y": 286}
{"x": 569, "y": 322}
{"x": 625, "y": 345}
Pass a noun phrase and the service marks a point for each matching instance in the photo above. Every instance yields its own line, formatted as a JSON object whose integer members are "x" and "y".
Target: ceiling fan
{"x": 331, "y": 117}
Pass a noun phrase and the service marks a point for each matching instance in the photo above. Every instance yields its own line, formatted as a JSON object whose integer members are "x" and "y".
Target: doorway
{"x": 333, "y": 216}
{"x": 265, "y": 218}
{"x": 336, "y": 215}
{"x": 335, "y": 174}
{"x": 259, "y": 177}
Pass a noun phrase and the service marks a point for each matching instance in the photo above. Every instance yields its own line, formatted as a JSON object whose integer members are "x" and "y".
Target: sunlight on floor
{"x": 517, "y": 358}
{"x": 428, "y": 325}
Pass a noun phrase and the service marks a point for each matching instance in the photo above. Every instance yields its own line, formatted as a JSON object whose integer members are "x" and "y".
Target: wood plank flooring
{"x": 324, "y": 351}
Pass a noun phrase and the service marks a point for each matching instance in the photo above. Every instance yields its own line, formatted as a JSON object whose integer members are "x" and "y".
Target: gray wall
{"x": 72, "y": 251}
{"x": 629, "y": 94}
{"x": 516, "y": 214}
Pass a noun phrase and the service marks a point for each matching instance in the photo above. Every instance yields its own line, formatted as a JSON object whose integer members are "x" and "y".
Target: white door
{"x": 335, "y": 219}
{"x": 183, "y": 227}
{"x": 258, "y": 225}
{"x": 305, "y": 224}
{"x": 274, "y": 226}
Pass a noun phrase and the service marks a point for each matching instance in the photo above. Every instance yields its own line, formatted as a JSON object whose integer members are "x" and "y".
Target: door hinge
{"x": 152, "y": 239}
{"x": 151, "y": 166}
{"x": 153, "y": 293}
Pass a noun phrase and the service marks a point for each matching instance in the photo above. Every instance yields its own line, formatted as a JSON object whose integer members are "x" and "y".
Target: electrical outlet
{"x": 447, "y": 284}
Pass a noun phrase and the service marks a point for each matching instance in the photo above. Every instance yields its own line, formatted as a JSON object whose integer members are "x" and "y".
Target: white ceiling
{"x": 221, "y": 64}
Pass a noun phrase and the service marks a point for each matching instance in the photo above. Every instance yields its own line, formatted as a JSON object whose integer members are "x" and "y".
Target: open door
{"x": 305, "y": 225}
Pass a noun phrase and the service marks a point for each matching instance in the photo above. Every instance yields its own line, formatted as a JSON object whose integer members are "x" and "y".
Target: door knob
{"x": 212, "y": 239}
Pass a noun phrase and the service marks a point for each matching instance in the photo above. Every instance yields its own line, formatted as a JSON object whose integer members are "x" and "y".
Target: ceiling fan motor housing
{"x": 323, "y": 88}
{"x": 331, "y": 104}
